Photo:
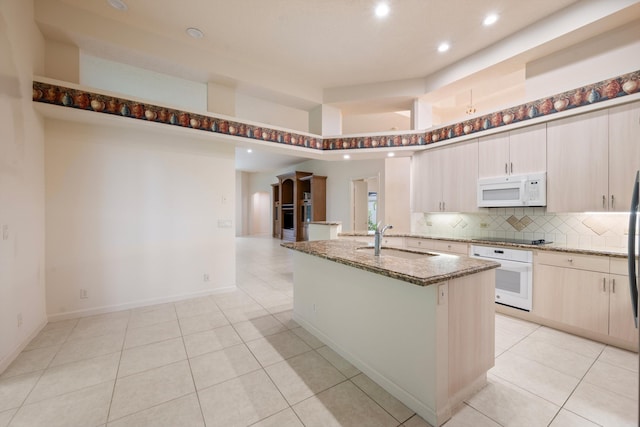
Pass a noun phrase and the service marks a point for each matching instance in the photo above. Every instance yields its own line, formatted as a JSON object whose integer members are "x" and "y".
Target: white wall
{"x": 133, "y": 217}
{"x": 382, "y": 122}
{"x": 398, "y": 194}
{"x": 22, "y": 256}
{"x": 147, "y": 85}
{"x": 242, "y": 203}
{"x": 602, "y": 57}
{"x": 259, "y": 110}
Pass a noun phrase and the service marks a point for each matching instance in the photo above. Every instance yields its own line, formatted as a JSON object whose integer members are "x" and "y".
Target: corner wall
{"x": 135, "y": 217}
{"x": 22, "y": 257}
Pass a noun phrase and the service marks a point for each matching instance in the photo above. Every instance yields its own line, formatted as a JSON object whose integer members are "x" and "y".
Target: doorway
{"x": 364, "y": 204}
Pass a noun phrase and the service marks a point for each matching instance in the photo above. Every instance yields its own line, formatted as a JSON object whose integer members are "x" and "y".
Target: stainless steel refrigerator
{"x": 632, "y": 246}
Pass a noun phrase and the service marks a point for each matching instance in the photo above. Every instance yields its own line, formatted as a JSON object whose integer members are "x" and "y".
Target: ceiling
{"x": 305, "y": 53}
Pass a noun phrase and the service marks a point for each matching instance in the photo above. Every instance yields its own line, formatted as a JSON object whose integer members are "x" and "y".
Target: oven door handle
{"x": 519, "y": 267}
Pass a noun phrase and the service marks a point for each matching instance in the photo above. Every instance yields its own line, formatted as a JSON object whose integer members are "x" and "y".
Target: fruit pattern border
{"x": 616, "y": 87}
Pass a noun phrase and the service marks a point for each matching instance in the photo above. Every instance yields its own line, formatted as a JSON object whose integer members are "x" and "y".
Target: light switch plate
{"x": 225, "y": 223}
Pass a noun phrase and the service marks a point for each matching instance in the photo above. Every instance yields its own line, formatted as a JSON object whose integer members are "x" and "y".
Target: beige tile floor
{"x": 238, "y": 359}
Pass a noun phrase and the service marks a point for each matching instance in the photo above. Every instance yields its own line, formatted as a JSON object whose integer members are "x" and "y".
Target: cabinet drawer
{"x": 396, "y": 242}
{"x": 438, "y": 245}
{"x": 424, "y": 244}
{"x": 619, "y": 266}
{"x": 581, "y": 262}
{"x": 453, "y": 247}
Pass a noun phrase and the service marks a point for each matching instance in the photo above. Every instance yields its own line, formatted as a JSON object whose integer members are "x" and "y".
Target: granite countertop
{"x": 424, "y": 271}
{"x": 325, "y": 222}
{"x": 599, "y": 251}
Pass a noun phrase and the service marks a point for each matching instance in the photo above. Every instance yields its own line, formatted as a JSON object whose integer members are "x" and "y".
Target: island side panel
{"x": 471, "y": 332}
{"x": 385, "y": 327}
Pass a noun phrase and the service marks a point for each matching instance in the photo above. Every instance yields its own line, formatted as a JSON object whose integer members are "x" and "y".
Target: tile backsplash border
{"x": 573, "y": 230}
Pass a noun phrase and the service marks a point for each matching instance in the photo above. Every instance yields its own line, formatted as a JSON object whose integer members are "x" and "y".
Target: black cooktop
{"x": 516, "y": 241}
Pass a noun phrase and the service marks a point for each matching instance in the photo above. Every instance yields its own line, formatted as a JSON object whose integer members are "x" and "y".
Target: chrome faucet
{"x": 378, "y": 237}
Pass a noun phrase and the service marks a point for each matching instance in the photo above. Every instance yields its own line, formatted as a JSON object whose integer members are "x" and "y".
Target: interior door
{"x": 360, "y": 205}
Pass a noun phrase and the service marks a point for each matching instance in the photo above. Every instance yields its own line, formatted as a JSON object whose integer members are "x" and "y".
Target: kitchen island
{"x": 421, "y": 325}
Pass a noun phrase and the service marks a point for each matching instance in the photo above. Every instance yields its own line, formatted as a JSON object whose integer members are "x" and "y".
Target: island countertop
{"x": 424, "y": 271}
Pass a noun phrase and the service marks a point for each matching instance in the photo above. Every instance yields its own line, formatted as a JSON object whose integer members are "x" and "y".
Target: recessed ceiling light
{"x": 490, "y": 19}
{"x": 195, "y": 32}
{"x": 346, "y": 157}
{"x": 118, "y": 4}
{"x": 382, "y": 10}
{"x": 443, "y": 47}
{"x": 249, "y": 151}
{"x": 391, "y": 154}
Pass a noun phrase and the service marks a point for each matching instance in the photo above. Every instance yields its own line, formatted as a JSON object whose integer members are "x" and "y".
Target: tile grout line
{"x": 115, "y": 380}
{"x": 193, "y": 380}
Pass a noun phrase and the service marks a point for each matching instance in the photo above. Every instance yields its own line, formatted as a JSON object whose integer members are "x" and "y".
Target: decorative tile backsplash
{"x": 575, "y": 230}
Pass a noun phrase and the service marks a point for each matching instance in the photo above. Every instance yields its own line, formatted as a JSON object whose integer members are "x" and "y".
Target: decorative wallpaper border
{"x": 106, "y": 104}
{"x": 616, "y": 87}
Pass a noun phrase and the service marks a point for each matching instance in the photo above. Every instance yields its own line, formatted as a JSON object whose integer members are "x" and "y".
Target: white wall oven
{"x": 514, "y": 277}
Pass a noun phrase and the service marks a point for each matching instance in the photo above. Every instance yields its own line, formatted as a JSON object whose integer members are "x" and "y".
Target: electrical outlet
{"x": 19, "y": 320}
{"x": 206, "y": 277}
{"x": 83, "y": 294}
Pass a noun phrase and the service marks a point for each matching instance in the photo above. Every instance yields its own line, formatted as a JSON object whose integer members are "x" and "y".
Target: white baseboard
{"x": 135, "y": 304}
{"x": 7, "y": 360}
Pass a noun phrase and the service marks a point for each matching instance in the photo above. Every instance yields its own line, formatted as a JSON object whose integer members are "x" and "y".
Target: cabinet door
{"x": 528, "y": 150}
{"x": 574, "y": 297}
{"x": 577, "y": 163}
{"x": 493, "y": 155}
{"x": 460, "y": 177}
{"x": 624, "y": 154}
{"x": 621, "y": 324}
{"x": 427, "y": 184}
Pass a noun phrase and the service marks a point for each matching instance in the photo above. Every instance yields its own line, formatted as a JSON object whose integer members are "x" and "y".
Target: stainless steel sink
{"x": 395, "y": 252}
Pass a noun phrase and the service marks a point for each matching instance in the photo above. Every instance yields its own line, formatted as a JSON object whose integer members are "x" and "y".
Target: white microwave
{"x": 513, "y": 190}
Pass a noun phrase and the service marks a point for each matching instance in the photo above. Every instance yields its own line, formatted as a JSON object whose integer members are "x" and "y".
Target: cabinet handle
{"x": 511, "y": 167}
{"x": 604, "y": 200}
{"x": 604, "y": 284}
{"x": 613, "y": 286}
{"x": 570, "y": 260}
{"x": 505, "y": 168}
{"x": 612, "y": 201}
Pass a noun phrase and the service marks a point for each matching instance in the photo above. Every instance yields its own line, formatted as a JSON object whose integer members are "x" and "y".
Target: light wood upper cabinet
{"x": 493, "y": 155}
{"x": 460, "y": 179}
{"x": 593, "y": 159}
{"x": 577, "y": 163}
{"x": 516, "y": 152}
{"x": 624, "y": 154}
{"x": 445, "y": 179}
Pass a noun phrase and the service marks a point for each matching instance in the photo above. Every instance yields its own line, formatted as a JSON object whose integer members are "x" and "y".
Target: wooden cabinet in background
{"x": 517, "y": 152}
{"x": 301, "y": 199}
